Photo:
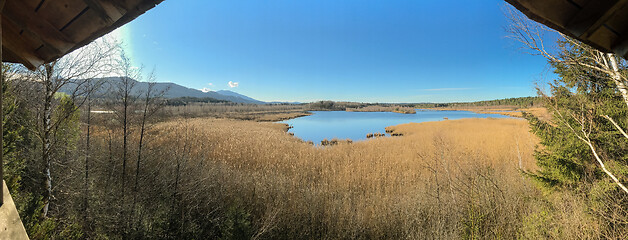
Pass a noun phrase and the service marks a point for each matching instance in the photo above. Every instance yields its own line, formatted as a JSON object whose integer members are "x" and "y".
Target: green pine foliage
{"x": 15, "y": 138}
{"x": 577, "y": 101}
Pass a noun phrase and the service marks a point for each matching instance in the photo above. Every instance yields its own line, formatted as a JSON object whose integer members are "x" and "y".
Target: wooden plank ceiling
{"x": 602, "y": 24}
{"x": 39, "y": 31}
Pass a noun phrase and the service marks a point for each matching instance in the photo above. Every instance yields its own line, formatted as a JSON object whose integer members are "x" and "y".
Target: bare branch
{"x": 616, "y": 126}
{"x": 604, "y": 167}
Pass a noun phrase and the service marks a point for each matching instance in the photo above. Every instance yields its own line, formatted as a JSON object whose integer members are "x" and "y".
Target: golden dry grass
{"x": 435, "y": 181}
{"x": 255, "y": 112}
{"x": 498, "y": 141}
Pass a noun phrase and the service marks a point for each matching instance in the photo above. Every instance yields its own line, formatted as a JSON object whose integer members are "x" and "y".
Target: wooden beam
{"x": 95, "y": 6}
{"x": 30, "y": 21}
{"x": 139, "y": 8}
{"x": 578, "y": 3}
{"x": 621, "y": 47}
{"x": 105, "y": 10}
{"x": 118, "y": 5}
{"x": 593, "y": 16}
{"x": 57, "y": 12}
{"x": 2, "y": 2}
{"x": 588, "y": 15}
{"x": 27, "y": 33}
{"x": 27, "y": 54}
{"x": 57, "y": 29}
{"x": 10, "y": 56}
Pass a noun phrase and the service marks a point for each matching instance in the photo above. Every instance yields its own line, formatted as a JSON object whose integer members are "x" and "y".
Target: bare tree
{"x": 92, "y": 86}
{"x": 605, "y": 65}
{"x": 87, "y": 153}
{"x": 150, "y": 106}
{"x": 123, "y": 106}
{"x": 70, "y": 75}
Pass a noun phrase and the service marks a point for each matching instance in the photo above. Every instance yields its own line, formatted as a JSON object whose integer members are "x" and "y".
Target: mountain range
{"x": 172, "y": 90}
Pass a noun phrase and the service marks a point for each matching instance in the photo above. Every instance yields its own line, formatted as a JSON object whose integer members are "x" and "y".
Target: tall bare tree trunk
{"x": 46, "y": 141}
{"x": 125, "y": 131}
{"x": 141, "y": 144}
{"x": 139, "y": 159}
{"x": 87, "y": 152}
{"x": 181, "y": 160}
{"x": 124, "y": 153}
{"x": 111, "y": 163}
{"x": 617, "y": 77}
{"x": 125, "y": 103}
{"x": 597, "y": 157}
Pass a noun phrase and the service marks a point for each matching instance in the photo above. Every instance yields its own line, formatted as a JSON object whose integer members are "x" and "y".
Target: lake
{"x": 355, "y": 125}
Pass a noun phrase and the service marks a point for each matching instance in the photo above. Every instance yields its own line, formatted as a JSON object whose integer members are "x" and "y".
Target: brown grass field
{"x": 446, "y": 179}
{"x": 255, "y": 112}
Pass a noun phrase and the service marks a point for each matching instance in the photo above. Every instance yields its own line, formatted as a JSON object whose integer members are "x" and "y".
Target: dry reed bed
{"x": 256, "y": 112}
{"x": 443, "y": 179}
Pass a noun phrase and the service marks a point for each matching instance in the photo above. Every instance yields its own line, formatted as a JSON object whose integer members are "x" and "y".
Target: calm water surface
{"x": 355, "y": 125}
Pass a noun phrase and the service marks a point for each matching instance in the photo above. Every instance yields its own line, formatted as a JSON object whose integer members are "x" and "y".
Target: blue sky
{"x": 352, "y": 50}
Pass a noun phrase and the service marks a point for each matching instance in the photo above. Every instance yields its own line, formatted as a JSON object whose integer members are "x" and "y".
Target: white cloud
{"x": 205, "y": 90}
{"x": 233, "y": 84}
{"x": 210, "y": 84}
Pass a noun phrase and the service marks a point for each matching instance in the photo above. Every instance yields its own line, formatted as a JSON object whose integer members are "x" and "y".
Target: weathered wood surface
{"x": 39, "y": 31}
{"x": 602, "y": 24}
{"x": 11, "y": 226}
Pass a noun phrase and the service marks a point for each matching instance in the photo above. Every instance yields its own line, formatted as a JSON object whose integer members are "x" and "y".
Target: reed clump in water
{"x": 380, "y": 108}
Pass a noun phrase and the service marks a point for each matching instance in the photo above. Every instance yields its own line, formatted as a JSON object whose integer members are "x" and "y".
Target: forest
{"x": 523, "y": 102}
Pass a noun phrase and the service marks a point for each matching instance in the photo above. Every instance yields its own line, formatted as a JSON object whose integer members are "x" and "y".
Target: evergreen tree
{"x": 578, "y": 101}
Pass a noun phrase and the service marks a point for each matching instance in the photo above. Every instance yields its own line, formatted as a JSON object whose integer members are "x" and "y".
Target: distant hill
{"x": 296, "y": 103}
{"x": 237, "y": 95}
{"x": 173, "y": 91}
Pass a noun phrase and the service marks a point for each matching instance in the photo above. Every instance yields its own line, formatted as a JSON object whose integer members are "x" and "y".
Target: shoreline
{"x": 511, "y": 111}
{"x": 390, "y": 130}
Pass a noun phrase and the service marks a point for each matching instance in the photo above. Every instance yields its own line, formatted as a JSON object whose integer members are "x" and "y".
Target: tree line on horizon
{"x": 522, "y": 102}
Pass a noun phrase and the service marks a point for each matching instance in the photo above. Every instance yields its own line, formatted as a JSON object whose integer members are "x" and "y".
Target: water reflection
{"x": 355, "y": 125}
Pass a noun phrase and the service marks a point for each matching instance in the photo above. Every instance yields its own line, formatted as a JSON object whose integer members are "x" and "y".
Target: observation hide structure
{"x": 39, "y": 31}
{"x": 34, "y": 32}
{"x": 603, "y": 24}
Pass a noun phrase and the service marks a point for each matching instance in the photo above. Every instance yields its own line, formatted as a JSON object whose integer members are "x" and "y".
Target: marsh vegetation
{"x": 391, "y": 108}
{"x": 154, "y": 173}
{"x": 140, "y": 168}
{"x": 253, "y": 179}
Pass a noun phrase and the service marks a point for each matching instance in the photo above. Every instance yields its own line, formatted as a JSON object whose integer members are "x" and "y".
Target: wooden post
{"x": 1, "y": 110}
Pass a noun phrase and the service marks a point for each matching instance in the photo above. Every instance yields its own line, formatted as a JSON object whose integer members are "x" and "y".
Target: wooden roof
{"x": 39, "y": 31}
{"x": 602, "y": 24}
